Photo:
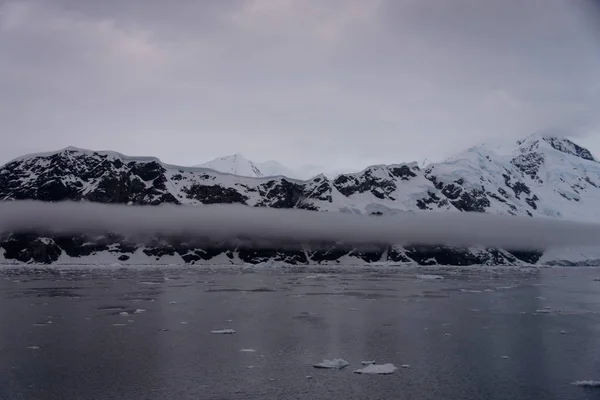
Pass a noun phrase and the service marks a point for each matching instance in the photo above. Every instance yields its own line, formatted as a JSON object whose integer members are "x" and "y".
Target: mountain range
{"x": 537, "y": 177}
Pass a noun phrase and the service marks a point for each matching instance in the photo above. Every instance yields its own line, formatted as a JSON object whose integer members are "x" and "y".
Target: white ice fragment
{"x": 405, "y": 366}
{"x": 430, "y": 276}
{"x": 248, "y": 351}
{"x": 447, "y": 334}
{"x": 367, "y": 362}
{"x": 184, "y": 322}
{"x": 543, "y": 311}
{"x": 505, "y": 357}
{"x": 563, "y": 332}
{"x": 223, "y": 332}
{"x": 383, "y": 369}
{"x": 139, "y": 311}
{"x": 587, "y": 384}
{"x": 124, "y": 313}
{"x": 336, "y": 363}
{"x": 173, "y": 302}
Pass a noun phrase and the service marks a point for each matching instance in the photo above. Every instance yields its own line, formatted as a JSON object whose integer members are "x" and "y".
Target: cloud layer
{"x": 340, "y": 83}
{"x": 275, "y": 228}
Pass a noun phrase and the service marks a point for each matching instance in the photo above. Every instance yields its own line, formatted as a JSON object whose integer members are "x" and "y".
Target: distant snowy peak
{"x": 237, "y": 164}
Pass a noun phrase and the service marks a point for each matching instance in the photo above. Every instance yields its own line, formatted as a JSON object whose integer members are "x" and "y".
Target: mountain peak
{"x": 235, "y": 164}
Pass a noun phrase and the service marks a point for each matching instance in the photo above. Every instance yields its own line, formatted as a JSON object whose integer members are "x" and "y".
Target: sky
{"x": 336, "y": 84}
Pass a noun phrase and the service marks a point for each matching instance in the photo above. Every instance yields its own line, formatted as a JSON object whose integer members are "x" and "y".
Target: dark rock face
{"x": 31, "y": 248}
{"x": 379, "y": 181}
{"x": 568, "y": 147}
{"x": 529, "y": 164}
{"x": 214, "y": 194}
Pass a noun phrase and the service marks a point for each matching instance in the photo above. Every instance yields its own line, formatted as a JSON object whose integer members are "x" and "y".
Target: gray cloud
{"x": 340, "y": 83}
{"x": 274, "y": 227}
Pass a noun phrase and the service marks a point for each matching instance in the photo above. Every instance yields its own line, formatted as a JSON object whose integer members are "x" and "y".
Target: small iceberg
{"x": 374, "y": 369}
{"x": 223, "y": 332}
{"x": 367, "y": 362}
{"x": 336, "y": 363}
{"x": 248, "y": 351}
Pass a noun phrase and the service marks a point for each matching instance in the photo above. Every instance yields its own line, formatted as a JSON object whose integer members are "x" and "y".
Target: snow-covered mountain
{"x": 538, "y": 176}
{"x": 237, "y": 164}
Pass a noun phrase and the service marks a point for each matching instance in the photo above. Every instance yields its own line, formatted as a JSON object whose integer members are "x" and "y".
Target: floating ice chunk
{"x": 430, "y": 277}
{"x": 367, "y": 362}
{"x": 139, "y": 310}
{"x": 563, "y": 332}
{"x": 587, "y": 384}
{"x": 336, "y": 363}
{"x": 223, "y": 332}
{"x": 543, "y": 311}
{"x": 505, "y": 357}
{"x": 248, "y": 351}
{"x": 405, "y": 366}
{"x": 383, "y": 369}
{"x": 173, "y": 302}
{"x": 124, "y": 313}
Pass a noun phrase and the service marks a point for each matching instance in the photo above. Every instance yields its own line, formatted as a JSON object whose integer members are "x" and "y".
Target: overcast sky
{"x": 338, "y": 83}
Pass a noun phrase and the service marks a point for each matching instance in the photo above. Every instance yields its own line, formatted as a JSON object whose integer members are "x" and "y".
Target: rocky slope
{"x": 536, "y": 177}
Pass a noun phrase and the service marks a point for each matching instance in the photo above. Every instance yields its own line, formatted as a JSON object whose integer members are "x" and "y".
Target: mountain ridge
{"x": 549, "y": 177}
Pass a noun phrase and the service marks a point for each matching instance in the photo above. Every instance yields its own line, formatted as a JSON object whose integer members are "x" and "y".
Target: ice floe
{"x": 336, "y": 363}
{"x": 223, "y": 332}
{"x": 374, "y": 369}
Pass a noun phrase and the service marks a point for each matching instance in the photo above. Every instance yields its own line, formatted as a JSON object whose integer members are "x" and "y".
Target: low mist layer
{"x": 276, "y": 227}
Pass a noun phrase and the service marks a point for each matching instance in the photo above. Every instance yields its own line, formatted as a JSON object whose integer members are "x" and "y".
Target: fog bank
{"x": 273, "y": 227}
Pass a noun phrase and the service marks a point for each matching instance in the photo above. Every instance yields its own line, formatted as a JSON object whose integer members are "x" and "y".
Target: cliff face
{"x": 539, "y": 176}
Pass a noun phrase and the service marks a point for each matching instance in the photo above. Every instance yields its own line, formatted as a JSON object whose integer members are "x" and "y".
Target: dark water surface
{"x": 476, "y": 334}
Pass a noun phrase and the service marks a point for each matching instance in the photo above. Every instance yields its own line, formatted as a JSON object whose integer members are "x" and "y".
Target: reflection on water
{"x": 145, "y": 334}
